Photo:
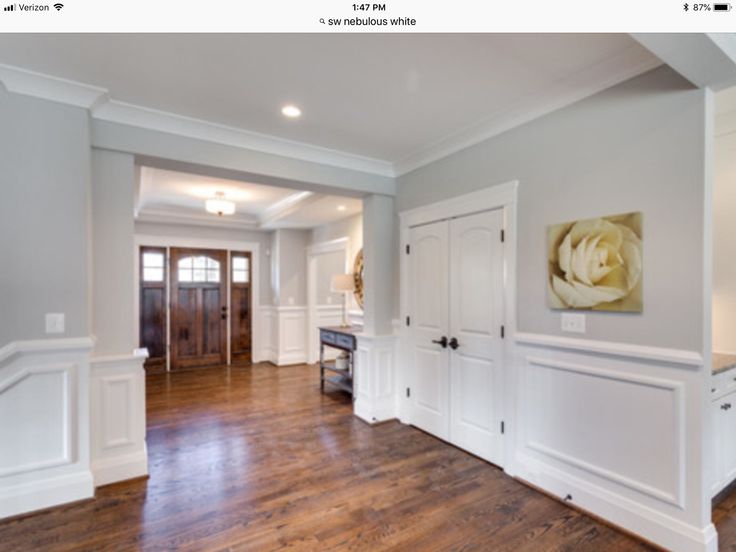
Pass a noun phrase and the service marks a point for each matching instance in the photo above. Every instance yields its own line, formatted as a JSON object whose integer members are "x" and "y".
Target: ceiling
{"x": 403, "y": 99}
{"x": 178, "y": 197}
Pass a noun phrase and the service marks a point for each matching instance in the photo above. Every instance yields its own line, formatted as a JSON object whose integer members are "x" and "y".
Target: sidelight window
{"x": 153, "y": 266}
{"x": 198, "y": 269}
{"x": 241, "y": 268}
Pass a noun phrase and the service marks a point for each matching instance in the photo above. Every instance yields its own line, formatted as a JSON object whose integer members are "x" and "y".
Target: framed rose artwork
{"x": 596, "y": 264}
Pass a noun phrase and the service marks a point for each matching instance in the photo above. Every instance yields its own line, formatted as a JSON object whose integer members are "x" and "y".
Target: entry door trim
{"x": 152, "y": 240}
{"x": 501, "y": 196}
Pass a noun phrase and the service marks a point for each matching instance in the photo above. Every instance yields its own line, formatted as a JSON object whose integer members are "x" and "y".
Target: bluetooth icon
{"x": 686, "y": 7}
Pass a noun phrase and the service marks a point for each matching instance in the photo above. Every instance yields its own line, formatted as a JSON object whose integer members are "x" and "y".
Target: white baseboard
{"x": 120, "y": 468}
{"x": 45, "y": 493}
{"x": 673, "y": 534}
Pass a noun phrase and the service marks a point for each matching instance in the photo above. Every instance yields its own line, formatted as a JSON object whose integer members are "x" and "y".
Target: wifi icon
{"x": 58, "y": 6}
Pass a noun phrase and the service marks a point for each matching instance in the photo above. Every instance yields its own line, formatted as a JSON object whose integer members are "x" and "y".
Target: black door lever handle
{"x": 442, "y": 341}
{"x": 453, "y": 343}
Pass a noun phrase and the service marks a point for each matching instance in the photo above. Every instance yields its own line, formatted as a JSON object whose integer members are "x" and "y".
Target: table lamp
{"x": 343, "y": 283}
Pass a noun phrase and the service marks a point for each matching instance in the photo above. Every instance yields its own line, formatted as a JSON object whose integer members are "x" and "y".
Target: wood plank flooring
{"x": 252, "y": 459}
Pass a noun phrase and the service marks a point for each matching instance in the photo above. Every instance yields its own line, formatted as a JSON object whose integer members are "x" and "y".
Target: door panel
{"x": 476, "y": 313}
{"x": 240, "y": 311}
{"x": 212, "y": 312}
{"x": 428, "y": 300}
{"x": 152, "y": 307}
{"x": 153, "y": 322}
{"x": 198, "y": 308}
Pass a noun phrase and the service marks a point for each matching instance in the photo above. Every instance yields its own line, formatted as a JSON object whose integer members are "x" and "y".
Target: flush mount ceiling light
{"x": 291, "y": 111}
{"x": 219, "y": 205}
{"x": 341, "y": 207}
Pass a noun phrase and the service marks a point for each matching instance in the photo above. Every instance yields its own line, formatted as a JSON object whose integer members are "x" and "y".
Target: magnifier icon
{"x": 322, "y": 20}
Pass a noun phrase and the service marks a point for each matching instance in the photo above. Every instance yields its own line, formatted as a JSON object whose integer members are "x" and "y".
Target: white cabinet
{"x": 724, "y": 461}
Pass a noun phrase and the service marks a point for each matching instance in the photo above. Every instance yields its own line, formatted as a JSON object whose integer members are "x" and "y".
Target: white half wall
{"x": 610, "y": 433}
{"x": 118, "y": 430}
{"x": 283, "y": 340}
{"x": 44, "y": 402}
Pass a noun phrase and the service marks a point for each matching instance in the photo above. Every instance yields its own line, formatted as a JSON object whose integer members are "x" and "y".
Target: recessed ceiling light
{"x": 291, "y": 111}
{"x": 341, "y": 207}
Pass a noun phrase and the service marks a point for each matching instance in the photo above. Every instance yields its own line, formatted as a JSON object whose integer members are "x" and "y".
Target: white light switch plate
{"x": 573, "y": 322}
{"x": 55, "y": 322}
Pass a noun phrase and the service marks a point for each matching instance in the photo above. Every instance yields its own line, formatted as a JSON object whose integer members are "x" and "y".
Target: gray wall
{"x": 113, "y": 179}
{"x": 724, "y": 245}
{"x": 289, "y": 259}
{"x": 223, "y": 234}
{"x": 44, "y": 217}
{"x": 351, "y": 228}
{"x": 326, "y": 265}
{"x": 638, "y": 146}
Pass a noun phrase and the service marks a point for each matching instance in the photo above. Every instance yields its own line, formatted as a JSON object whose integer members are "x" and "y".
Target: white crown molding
{"x": 55, "y": 89}
{"x": 97, "y": 101}
{"x": 285, "y": 207}
{"x": 627, "y": 350}
{"x": 128, "y": 114}
{"x": 627, "y": 64}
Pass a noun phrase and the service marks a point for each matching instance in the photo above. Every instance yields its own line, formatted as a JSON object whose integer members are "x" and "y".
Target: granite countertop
{"x": 723, "y": 362}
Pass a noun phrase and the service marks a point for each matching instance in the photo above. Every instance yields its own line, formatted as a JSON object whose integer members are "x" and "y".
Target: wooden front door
{"x": 240, "y": 302}
{"x": 198, "y": 308}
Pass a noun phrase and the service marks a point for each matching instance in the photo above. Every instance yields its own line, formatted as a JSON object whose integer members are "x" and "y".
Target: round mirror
{"x": 358, "y": 278}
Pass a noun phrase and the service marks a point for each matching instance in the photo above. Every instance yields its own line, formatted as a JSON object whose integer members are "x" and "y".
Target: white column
{"x": 374, "y": 382}
{"x": 379, "y": 254}
{"x": 117, "y": 386}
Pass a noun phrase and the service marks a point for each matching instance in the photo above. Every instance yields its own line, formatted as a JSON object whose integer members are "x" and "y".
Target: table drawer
{"x": 327, "y": 336}
{"x": 345, "y": 341}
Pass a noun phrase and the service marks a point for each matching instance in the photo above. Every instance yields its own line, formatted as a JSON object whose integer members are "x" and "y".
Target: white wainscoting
{"x": 44, "y": 408}
{"x": 618, "y": 430}
{"x": 283, "y": 335}
{"x": 118, "y": 407}
{"x": 374, "y": 382}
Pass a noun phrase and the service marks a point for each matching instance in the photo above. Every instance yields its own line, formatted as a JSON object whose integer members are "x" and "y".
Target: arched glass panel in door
{"x": 198, "y": 269}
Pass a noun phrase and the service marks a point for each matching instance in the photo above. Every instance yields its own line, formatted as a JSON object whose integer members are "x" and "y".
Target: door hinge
{"x": 503, "y": 236}
{"x": 408, "y": 392}
{"x": 408, "y": 249}
{"x": 408, "y": 320}
{"x": 503, "y": 427}
{"x": 503, "y": 332}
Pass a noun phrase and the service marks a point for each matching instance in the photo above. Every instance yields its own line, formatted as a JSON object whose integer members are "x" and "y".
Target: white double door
{"x": 456, "y": 348}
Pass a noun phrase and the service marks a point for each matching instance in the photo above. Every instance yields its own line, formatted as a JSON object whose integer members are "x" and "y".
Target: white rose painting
{"x": 596, "y": 264}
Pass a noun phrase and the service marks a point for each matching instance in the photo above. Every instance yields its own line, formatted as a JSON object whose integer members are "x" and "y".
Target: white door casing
{"x": 476, "y": 317}
{"x": 429, "y": 293}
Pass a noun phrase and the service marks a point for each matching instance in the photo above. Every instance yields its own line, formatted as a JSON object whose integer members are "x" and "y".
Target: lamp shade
{"x": 342, "y": 283}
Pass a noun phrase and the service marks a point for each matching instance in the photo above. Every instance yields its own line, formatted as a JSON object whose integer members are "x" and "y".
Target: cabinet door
{"x": 718, "y": 419}
{"x": 727, "y": 436}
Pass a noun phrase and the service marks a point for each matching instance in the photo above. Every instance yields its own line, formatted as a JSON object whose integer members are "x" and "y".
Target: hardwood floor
{"x": 257, "y": 459}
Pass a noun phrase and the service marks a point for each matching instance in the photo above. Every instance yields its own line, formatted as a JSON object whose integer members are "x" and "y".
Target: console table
{"x": 342, "y": 338}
